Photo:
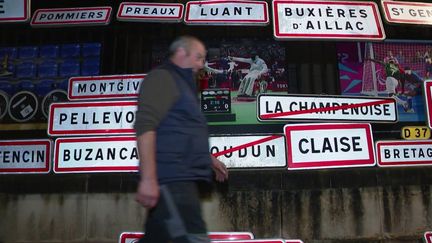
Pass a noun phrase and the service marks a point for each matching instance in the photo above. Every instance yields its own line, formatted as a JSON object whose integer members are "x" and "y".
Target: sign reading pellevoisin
{"x": 132, "y": 237}
{"x": 227, "y": 12}
{"x": 404, "y": 153}
{"x": 427, "y": 87}
{"x": 71, "y": 16}
{"x": 25, "y": 156}
{"x": 150, "y": 12}
{"x": 249, "y": 151}
{"x": 329, "y": 145}
{"x": 428, "y": 237}
{"x": 95, "y": 154}
{"x": 314, "y": 19}
{"x": 14, "y": 11}
{"x": 105, "y": 87}
{"x": 91, "y": 118}
{"x": 333, "y": 108}
{"x": 407, "y": 12}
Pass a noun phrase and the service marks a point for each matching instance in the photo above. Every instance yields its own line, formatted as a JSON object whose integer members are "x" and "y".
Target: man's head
{"x": 188, "y": 52}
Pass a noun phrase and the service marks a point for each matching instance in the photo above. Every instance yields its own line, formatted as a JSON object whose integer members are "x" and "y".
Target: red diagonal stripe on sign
{"x": 334, "y": 108}
{"x": 250, "y": 144}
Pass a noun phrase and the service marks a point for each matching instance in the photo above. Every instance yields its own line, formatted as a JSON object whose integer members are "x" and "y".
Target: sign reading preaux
{"x": 407, "y": 12}
{"x": 71, "y": 16}
{"x": 404, "y": 153}
{"x": 329, "y": 145}
{"x": 105, "y": 87}
{"x": 132, "y": 237}
{"x": 150, "y": 12}
{"x": 315, "y": 19}
{"x": 25, "y": 156}
{"x": 14, "y": 11}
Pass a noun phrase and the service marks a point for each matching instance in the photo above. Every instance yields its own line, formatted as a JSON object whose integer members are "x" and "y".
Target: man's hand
{"x": 148, "y": 192}
{"x": 220, "y": 169}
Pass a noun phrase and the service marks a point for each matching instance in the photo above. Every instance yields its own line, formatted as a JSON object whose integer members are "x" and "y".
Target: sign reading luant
{"x": 227, "y": 12}
{"x": 14, "y": 11}
{"x": 95, "y": 154}
{"x": 342, "y": 108}
{"x": 131, "y": 237}
{"x": 104, "y": 87}
{"x": 300, "y": 19}
{"x": 91, "y": 118}
{"x": 407, "y": 12}
{"x": 427, "y": 86}
{"x": 71, "y": 16}
{"x": 404, "y": 153}
{"x": 249, "y": 151}
{"x": 329, "y": 145}
{"x": 25, "y": 156}
{"x": 150, "y": 12}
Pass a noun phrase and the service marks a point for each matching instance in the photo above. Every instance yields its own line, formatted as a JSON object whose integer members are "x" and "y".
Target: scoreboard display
{"x": 216, "y": 101}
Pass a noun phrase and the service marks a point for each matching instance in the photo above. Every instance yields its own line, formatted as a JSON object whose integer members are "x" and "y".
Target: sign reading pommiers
{"x": 71, "y": 16}
{"x": 91, "y": 118}
{"x": 404, "y": 153}
{"x": 334, "y": 108}
{"x": 249, "y": 151}
{"x": 132, "y": 237}
{"x": 329, "y": 145}
{"x": 407, "y": 12}
{"x": 14, "y": 11}
{"x": 314, "y": 19}
{"x": 105, "y": 87}
{"x": 427, "y": 88}
{"x": 95, "y": 154}
{"x": 150, "y": 12}
{"x": 227, "y": 12}
{"x": 25, "y": 156}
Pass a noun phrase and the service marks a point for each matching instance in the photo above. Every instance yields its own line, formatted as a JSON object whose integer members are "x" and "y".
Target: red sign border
{"x": 101, "y": 96}
{"x": 381, "y": 34}
{"x": 106, "y": 21}
{"x": 251, "y": 241}
{"x": 427, "y": 236}
{"x": 101, "y": 169}
{"x": 45, "y": 170}
{"x": 400, "y": 142}
{"x": 329, "y": 164}
{"x": 211, "y": 235}
{"x": 427, "y": 86}
{"x": 266, "y": 20}
{"x": 389, "y": 19}
{"x": 53, "y": 106}
{"x": 149, "y": 18}
{"x": 26, "y": 17}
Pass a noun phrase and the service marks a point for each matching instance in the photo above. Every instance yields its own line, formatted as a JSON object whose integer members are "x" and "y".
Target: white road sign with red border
{"x": 404, "y": 153}
{"x": 227, "y": 12}
{"x": 407, "y": 12}
{"x": 25, "y": 156}
{"x": 131, "y": 237}
{"x": 105, "y": 87}
{"x": 428, "y": 237}
{"x": 329, "y": 145}
{"x": 150, "y": 12}
{"x": 14, "y": 11}
{"x": 71, "y": 16}
{"x": 314, "y": 19}
{"x": 427, "y": 88}
{"x": 255, "y": 241}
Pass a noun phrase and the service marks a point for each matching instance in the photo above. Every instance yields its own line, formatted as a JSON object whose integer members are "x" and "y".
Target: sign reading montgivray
{"x": 14, "y": 11}
{"x": 71, "y": 16}
{"x": 150, "y": 12}
{"x": 249, "y": 151}
{"x": 329, "y": 145}
{"x": 300, "y": 19}
{"x": 105, "y": 87}
{"x": 227, "y": 12}
{"x": 95, "y": 154}
{"x": 91, "y": 118}
{"x": 427, "y": 86}
{"x": 407, "y": 12}
{"x": 404, "y": 153}
{"x": 25, "y": 156}
{"x": 332, "y": 108}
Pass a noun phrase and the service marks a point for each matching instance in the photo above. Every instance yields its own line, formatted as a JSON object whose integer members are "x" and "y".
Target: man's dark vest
{"x": 182, "y": 148}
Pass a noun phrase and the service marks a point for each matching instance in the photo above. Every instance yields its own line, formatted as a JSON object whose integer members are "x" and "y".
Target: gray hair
{"x": 184, "y": 42}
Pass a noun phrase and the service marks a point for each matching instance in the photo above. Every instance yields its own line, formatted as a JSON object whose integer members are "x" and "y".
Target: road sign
{"x": 133, "y": 237}
{"x": 150, "y": 12}
{"x": 415, "y": 132}
{"x": 407, "y": 12}
{"x": 404, "y": 153}
{"x": 23, "y": 106}
{"x": 427, "y": 87}
{"x": 14, "y": 11}
{"x": 71, "y": 16}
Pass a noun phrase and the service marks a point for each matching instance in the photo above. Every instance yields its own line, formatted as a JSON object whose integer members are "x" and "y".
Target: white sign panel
{"x": 333, "y": 108}
{"x": 14, "y": 11}
{"x": 407, "y": 12}
{"x": 249, "y": 151}
{"x": 404, "y": 153}
{"x": 300, "y": 19}
{"x": 105, "y": 87}
{"x": 254, "y": 241}
{"x": 71, "y": 16}
{"x": 96, "y": 154}
{"x": 133, "y": 237}
{"x": 428, "y": 237}
{"x": 91, "y": 118}
{"x": 337, "y": 145}
{"x": 225, "y": 12}
{"x": 150, "y": 12}
{"x": 427, "y": 86}
{"x": 25, "y": 156}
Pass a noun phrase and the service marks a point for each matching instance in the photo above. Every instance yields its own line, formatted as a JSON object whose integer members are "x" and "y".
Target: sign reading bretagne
{"x": 14, "y": 11}
{"x": 404, "y": 153}
{"x": 150, "y": 12}
{"x": 105, "y": 87}
{"x": 226, "y": 12}
{"x": 91, "y": 118}
{"x": 407, "y": 12}
{"x": 71, "y": 16}
{"x": 300, "y": 19}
